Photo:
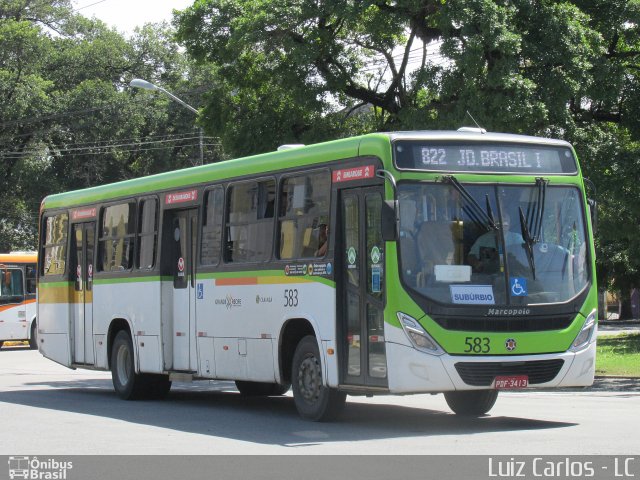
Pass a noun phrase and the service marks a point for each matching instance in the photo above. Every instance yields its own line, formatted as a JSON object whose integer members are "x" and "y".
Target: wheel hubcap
{"x": 310, "y": 379}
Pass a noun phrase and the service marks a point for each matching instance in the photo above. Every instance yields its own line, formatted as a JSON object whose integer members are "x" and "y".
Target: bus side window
{"x": 147, "y": 234}
{"x": 303, "y": 217}
{"x": 212, "y": 226}
{"x": 117, "y": 237}
{"x": 249, "y": 223}
{"x": 31, "y": 279}
{"x": 12, "y": 290}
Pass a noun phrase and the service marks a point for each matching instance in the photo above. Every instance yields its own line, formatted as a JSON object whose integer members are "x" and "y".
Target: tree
{"x": 67, "y": 117}
{"x": 565, "y": 69}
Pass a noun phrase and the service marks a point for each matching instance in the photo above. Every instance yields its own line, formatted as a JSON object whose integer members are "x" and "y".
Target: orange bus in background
{"x": 18, "y": 298}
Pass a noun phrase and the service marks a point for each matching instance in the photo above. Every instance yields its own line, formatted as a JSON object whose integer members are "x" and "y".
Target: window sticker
{"x": 375, "y": 254}
{"x": 518, "y": 286}
{"x": 452, "y": 273}
{"x": 472, "y": 294}
{"x": 351, "y": 256}
{"x": 376, "y": 273}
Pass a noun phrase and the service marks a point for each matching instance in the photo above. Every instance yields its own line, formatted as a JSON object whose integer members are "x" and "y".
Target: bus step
{"x": 180, "y": 377}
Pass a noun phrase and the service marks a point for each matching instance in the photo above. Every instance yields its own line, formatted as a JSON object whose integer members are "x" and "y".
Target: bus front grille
{"x": 482, "y": 374}
{"x": 504, "y": 324}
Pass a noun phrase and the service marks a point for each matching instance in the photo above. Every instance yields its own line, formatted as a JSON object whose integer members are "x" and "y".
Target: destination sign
{"x": 489, "y": 158}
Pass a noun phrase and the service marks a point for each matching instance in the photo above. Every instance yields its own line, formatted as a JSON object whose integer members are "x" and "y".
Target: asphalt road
{"x": 48, "y": 409}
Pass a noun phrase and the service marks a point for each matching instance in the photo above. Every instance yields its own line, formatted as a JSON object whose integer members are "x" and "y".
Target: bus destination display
{"x": 490, "y": 158}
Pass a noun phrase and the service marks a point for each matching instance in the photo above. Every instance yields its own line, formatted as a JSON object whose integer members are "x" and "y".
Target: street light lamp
{"x": 139, "y": 83}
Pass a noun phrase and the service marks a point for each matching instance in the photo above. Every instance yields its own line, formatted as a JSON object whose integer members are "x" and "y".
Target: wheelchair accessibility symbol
{"x": 519, "y": 287}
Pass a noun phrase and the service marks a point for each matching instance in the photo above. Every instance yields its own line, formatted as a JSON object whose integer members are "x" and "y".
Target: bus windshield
{"x": 492, "y": 244}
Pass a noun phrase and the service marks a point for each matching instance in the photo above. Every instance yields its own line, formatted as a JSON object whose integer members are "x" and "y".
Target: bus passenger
{"x": 323, "y": 240}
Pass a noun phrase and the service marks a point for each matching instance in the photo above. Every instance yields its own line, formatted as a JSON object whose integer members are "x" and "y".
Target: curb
{"x": 620, "y": 323}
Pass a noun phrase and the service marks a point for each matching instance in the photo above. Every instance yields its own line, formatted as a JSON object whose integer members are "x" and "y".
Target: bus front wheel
{"x": 313, "y": 400}
{"x": 471, "y": 402}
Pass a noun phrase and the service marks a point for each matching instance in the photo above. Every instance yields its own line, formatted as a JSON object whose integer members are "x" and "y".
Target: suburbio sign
{"x": 181, "y": 197}
{"x": 358, "y": 173}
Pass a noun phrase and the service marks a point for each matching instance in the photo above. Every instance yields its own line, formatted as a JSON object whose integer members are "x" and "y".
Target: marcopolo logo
{"x": 229, "y": 302}
{"x": 38, "y": 469}
{"x": 508, "y": 311}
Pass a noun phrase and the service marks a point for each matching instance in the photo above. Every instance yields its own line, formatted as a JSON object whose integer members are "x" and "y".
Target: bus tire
{"x": 261, "y": 389}
{"x": 33, "y": 340}
{"x": 127, "y": 383}
{"x": 471, "y": 402}
{"x": 313, "y": 400}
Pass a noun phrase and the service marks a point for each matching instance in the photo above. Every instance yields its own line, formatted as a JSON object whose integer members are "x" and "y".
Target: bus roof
{"x": 19, "y": 257}
{"x": 374, "y": 144}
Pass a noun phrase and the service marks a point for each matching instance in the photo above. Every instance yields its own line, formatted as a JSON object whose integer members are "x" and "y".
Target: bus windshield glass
{"x": 484, "y": 158}
{"x": 492, "y": 244}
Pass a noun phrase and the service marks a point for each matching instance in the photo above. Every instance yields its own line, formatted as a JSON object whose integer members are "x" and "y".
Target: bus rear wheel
{"x": 261, "y": 389}
{"x": 126, "y": 382}
{"x": 33, "y": 340}
{"x": 313, "y": 400}
{"x": 472, "y": 402}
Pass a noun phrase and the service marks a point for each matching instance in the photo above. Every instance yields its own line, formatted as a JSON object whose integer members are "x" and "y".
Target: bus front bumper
{"x": 412, "y": 371}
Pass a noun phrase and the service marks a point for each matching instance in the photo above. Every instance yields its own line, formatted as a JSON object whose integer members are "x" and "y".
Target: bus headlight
{"x": 587, "y": 333}
{"x": 418, "y": 336}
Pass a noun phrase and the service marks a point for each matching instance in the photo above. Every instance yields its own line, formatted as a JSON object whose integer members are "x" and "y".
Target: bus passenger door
{"x": 362, "y": 351}
{"x": 83, "y": 241}
{"x": 184, "y": 224}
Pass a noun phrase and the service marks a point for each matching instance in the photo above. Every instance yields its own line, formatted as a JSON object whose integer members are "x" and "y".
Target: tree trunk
{"x": 625, "y": 305}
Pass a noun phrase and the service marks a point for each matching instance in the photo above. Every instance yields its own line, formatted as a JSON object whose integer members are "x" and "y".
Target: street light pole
{"x": 139, "y": 83}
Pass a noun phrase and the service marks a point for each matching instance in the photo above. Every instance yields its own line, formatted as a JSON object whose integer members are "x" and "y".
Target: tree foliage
{"x": 266, "y": 73}
{"x": 67, "y": 117}
{"x": 299, "y": 70}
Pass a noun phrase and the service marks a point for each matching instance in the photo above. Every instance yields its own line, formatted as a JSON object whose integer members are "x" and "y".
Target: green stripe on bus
{"x": 142, "y": 279}
{"x": 259, "y": 164}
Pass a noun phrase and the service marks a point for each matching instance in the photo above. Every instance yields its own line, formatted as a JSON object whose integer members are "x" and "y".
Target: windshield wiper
{"x": 476, "y": 213}
{"x": 532, "y": 225}
{"x": 535, "y": 215}
{"x": 528, "y": 242}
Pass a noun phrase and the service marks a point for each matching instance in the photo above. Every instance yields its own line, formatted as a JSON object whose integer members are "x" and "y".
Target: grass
{"x": 618, "y": 355}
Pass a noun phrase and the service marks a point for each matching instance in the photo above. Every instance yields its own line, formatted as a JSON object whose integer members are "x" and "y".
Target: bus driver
{"x": 486, "y": 253}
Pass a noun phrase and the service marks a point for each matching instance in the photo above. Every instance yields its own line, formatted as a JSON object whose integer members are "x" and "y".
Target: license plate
{"x": 511, "y": 382}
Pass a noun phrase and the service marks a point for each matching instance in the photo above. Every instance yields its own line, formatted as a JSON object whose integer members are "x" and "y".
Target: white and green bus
{"x": 444, "y": 262}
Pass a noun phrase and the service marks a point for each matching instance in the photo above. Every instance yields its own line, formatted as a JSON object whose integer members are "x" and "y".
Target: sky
{"x": 125, "y": 15}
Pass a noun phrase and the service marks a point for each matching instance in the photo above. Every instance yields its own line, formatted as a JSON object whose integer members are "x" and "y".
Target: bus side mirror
{"x": 390, "y": 220}
{"x": 593, "y": 211}
{"x": 593, "y": 203}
